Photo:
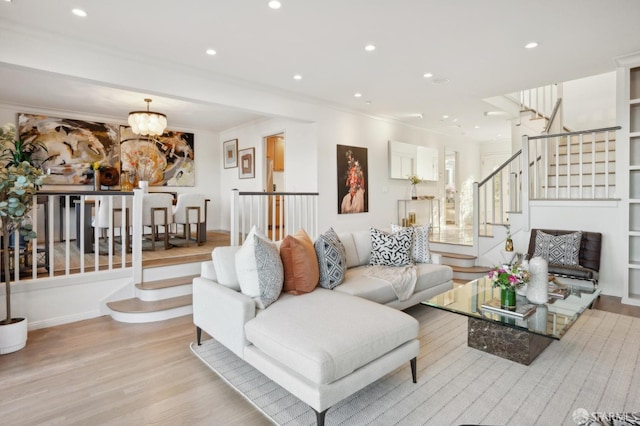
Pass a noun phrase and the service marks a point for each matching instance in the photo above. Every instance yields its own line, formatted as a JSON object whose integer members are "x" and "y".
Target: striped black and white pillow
{"x": 391, "y": 249}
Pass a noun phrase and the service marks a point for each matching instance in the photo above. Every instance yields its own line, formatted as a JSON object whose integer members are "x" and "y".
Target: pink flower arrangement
{"x": 506, "y": 276}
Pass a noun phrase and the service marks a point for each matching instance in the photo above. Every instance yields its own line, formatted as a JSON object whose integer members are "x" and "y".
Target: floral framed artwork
{"x": 230, "y": 154}
{"x": 247, "y": 169}
{"x": 353, "y": 194}
{"x": 165, "y": 160}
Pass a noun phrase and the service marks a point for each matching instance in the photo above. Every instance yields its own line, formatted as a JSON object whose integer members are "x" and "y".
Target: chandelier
{"x": 147, "y": 123}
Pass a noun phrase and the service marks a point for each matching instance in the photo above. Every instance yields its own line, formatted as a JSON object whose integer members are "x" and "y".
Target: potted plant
{"x": 20, "y": 179}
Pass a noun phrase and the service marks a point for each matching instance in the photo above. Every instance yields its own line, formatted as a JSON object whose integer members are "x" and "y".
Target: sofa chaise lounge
{"x": 324, "y": 345}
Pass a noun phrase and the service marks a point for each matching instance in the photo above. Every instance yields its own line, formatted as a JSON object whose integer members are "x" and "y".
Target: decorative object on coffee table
{"x": 508, "y": 278}
{"x": 537, "y": 290}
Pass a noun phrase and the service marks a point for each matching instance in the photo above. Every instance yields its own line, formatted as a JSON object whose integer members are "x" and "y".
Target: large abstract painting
{"x": 72, "y": 146}
{"x": 165, "y": 160}
{"x": 352, "y": 177}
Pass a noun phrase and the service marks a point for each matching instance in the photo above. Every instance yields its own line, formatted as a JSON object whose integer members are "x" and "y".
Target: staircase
{"x": 463, "y": 266}
{"x": 155, "y": 301}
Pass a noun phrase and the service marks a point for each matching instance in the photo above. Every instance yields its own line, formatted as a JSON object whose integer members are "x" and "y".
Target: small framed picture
{"x": 230, "y": 153}
{"x": 247, "y": 169}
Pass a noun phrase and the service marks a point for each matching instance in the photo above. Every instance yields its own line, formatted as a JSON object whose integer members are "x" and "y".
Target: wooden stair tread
{"x": 170, "y": 282}
{"x": 474, "y": 269}
{"x": 136, "y": 305}
{"x": 178, "y": 260}
{"x": 455, "y": 255}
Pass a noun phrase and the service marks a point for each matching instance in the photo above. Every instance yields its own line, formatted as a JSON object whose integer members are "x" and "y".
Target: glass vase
{"x": 414, "y": 192}
{"x": 508, "y": 298}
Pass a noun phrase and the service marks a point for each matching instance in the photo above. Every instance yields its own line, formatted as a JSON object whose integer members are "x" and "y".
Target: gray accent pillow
{"x": 558, "y": 250}
{"x": 332, "y": 259}
{"x": 391, "y": 249}
{"x": 259, "y": 269}
{"x": 270, "y": 271}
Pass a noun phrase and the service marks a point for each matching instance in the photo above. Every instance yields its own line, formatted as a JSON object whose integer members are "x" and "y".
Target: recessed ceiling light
{"x": 368, "y": 102}
{"x": 369, "y": 48}
{"x": 275, "y": 4}
{"x": 531, "y": 45}
{"x": 8, "y": 1}
{"x": 79, "y": 12}
{"x": 476, "y": 127}
{"x": 297, "y": 77}
{"x": 440, "y": 80}
{"x": 494, "y": 113}
{"x": 444, "y": 117}
{"x": 211, "y": 52}
{"x": 427, "y": 75}
{"x": 357, "y": 95}
{"x": 418, "y": 115}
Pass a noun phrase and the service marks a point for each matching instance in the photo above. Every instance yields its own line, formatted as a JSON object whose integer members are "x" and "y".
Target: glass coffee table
{"x": 508, "y": 336}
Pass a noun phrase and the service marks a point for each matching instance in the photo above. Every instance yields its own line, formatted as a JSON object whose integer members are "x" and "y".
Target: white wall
{"x": 342, "y": 128}
{"x": 590, "y": 103}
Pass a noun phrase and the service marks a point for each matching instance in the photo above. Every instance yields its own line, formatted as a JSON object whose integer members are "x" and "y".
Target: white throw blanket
{"x": 401, "y": 278}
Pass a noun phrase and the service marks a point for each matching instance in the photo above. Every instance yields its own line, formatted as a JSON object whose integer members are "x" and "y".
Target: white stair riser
{"x": 587, "y": 157}
{"x": 144, "y": 317}
{"x": 163, "y": 293}
{"x": 468, "y": 276}
{"x": 600, "y": 192}
{"x": 586, "y": 168}
{"x": 586, "y": 180}
{"x": 454, "y": 261}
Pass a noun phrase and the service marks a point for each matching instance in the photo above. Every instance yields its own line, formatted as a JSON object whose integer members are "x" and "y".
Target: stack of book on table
{"x": 523, "y": 310}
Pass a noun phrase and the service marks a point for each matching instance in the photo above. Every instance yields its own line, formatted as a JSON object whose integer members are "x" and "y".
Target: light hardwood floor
{"x": 101, "y": 372}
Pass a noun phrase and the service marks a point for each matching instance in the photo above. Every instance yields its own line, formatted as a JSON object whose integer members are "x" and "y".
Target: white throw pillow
{"x": 224, "y": 263}
{"x": 420, "y": 251}
{"x": 259, "y": 269}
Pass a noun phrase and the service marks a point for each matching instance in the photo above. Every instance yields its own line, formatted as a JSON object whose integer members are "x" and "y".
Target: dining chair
{"x": 157, "y": 209}
{"x": 190, "y": 210}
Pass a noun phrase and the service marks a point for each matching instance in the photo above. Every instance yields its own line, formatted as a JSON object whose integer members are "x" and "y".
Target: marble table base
{"x": 506, "y": 342}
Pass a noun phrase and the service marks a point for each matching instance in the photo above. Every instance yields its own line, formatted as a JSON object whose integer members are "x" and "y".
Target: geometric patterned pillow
{"x": 420, "y": 251}
{"x": 391, "y": 249}
{"x": 558, "y": 250}
{"x": 332, "y": 259}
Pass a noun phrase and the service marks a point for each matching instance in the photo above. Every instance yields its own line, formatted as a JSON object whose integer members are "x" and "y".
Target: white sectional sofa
{"x": 324, "y": 345}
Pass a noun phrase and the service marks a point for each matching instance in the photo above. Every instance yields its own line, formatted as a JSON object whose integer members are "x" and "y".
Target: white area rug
{"x": 596, "y": 366}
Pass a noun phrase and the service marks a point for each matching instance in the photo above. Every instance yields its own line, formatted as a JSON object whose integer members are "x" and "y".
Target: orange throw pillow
{"x": 301, "y": 272}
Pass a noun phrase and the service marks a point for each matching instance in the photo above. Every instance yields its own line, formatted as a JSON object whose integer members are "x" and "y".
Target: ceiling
{"x": 474, "y": 49}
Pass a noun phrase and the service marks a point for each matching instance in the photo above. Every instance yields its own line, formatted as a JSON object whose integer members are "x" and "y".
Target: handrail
{"x": 553, "y": 116}
{"x": 499, "y": 168}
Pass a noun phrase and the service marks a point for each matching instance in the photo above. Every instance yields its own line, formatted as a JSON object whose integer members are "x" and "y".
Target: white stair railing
{"x": 572, "y": 165}
{"x": 540, "y": 100}
{"x": 68, "y": 245}
{"x": 275, "y": 213}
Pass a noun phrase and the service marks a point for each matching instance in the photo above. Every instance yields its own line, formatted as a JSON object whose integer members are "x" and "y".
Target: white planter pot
{"x": 13, "y": 337}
